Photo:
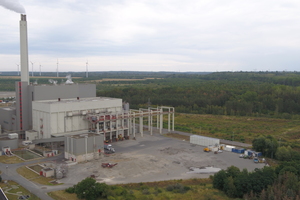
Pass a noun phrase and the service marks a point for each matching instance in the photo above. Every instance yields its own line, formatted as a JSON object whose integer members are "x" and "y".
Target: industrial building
{"x": 83, "y": 147}
{"x": 45, "y": 112}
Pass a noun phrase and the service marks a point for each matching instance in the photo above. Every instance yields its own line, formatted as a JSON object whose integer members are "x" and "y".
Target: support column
{"x": 104, "y": 128}
{"x": 122, "y": 124}
{"x": 141, "y": 125}
{"x": 149, "y": 119}
{"x": 157, "y": 119}
{"x": 110, "y": 128}
{"x": 133, "y": 125}
{"x": 129, "y": 124}
{"x": 169, "y": 119}
{"x": 161, "y": 121}
{"x": 97, "y": 125}
{"x": 173, "y": 119}
{"x": 151, "y": 124}
{"x": 117, "y": 123}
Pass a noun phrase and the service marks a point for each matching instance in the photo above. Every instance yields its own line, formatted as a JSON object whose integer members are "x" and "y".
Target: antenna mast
{"x": 87, "y": 71}
{"x": 57, "y": 68}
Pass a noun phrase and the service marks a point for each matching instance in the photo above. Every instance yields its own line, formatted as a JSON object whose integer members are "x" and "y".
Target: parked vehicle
{"x": 108, "y": 165}
{"x": 108, "y": 147}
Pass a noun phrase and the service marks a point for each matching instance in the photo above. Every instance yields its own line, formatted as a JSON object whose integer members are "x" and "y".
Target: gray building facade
{"x": 83, "y": 147}
{"x": 25, "y": 94}
{"x": 8, "y": 118}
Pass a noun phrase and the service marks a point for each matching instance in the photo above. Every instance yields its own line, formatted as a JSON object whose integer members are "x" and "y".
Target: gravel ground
{"x": 155, "y": 158}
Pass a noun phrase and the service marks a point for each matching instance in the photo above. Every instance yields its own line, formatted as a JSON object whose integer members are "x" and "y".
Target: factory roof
{"x": 78, "y": 99}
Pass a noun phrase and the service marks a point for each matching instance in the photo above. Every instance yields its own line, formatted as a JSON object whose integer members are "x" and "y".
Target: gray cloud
{"x": 164, "y": 35}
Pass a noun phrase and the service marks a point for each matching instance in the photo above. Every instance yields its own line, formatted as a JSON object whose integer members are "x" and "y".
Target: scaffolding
{"x": 120, "y": 125}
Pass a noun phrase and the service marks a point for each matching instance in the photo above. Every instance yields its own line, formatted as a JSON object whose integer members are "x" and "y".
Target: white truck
{"x": 108, "y": 148}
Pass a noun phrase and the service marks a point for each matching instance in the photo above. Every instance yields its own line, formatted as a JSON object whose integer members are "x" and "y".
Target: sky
{"x": 153, "y": 35}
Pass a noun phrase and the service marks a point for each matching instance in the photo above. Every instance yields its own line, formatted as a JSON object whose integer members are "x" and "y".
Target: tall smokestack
{"x": 24, "y": 49}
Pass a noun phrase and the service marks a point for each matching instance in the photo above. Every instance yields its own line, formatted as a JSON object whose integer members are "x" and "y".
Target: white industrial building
{"x": 103, "y": 115}
{"x": 54, "y": 118}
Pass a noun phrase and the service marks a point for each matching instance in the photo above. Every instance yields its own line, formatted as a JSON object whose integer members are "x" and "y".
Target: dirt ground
{"x": 155, "y": 158}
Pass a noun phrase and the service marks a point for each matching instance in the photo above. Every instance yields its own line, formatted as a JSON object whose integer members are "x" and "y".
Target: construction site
{"x": 154, "y": 158}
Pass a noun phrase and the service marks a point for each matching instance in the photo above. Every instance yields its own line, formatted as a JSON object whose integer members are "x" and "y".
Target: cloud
{"x": 188, "y": 35}
{"x": 13, "y": 5}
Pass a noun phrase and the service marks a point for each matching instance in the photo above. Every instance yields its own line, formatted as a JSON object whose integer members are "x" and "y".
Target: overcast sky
{"x": 155, "y": 35}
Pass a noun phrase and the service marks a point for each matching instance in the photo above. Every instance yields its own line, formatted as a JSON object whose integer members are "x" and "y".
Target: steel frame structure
{"x": 125, "y": 122}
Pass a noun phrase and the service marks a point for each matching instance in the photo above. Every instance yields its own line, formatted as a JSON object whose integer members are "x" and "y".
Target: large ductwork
{"x": 24, "y": 49}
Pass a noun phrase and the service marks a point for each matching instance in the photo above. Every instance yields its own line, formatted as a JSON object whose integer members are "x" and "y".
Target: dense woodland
{"x": 271, "y": 94}
{"x": 223, "y": 93}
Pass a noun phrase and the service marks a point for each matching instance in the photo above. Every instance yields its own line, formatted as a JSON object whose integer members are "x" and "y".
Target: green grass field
{"x": 242, "y": 129}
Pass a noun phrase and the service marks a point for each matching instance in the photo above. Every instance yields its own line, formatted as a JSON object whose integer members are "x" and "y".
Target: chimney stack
{"x": 24, "y": 49}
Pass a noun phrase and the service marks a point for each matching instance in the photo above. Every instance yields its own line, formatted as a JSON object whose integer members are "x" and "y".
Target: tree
{"x": 233, "y": 171}
{"x": 89, "y": 189}
{"x": 219, "y": 179}
{"x": 284, "y": 153}
{"x": 259, "y": 144}
{"x": 242, "y": 184}
{"x": 229, "y": 187}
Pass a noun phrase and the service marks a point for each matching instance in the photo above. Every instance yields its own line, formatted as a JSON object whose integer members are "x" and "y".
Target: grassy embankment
{"x": 10, "y": 160}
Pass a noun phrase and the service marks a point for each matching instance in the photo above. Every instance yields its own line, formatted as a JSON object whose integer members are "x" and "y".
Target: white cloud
{"x": 162, "y": 35}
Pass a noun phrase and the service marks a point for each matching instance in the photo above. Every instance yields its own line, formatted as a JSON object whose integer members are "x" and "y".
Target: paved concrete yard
{"x": 155, "y": 158}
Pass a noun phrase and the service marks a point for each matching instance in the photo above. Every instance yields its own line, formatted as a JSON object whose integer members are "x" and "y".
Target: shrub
{"x": 145, "y": 192}
{"x": 70, "y": 190}
{"x": 177, "y": 188}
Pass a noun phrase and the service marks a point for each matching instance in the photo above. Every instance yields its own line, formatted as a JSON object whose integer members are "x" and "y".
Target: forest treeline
{"x": 222, "y": 93}
{"x": 281, "y": 182}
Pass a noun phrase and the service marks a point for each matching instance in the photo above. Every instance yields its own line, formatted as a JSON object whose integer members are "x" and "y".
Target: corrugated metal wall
{"x": 203, "y": 141}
